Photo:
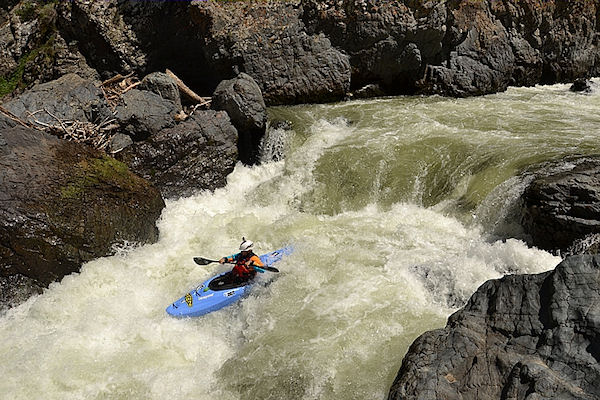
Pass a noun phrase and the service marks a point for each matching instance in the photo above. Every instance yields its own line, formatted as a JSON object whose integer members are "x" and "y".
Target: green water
{"x": 393, "y": 207}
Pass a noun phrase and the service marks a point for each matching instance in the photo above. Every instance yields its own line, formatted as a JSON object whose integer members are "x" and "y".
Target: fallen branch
{"x": 98, "y": 136}
{"x": 116, "y": 78}
{"x": 184, "y": 89}
{"x": 13, "y": 117}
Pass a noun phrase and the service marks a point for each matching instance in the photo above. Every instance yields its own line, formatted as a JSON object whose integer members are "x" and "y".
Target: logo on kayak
{"x": 229, "y": 294}
{"x": 189, "y": 300}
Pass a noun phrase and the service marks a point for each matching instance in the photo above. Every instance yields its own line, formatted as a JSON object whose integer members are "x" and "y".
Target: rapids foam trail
{"x": 389, "y": 204}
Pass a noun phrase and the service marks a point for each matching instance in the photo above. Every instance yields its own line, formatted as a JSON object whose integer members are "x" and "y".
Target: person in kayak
{"x": 245, "y": 261}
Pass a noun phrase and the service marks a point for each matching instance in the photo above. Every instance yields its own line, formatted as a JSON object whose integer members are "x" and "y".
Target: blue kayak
{"x": 218, "y": 291}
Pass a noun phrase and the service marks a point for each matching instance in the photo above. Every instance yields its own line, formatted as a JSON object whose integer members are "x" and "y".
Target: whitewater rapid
{"x": 392, "y": 206}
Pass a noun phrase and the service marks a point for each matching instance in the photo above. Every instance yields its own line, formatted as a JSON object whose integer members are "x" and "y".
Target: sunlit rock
{"x": 522, "y": 336}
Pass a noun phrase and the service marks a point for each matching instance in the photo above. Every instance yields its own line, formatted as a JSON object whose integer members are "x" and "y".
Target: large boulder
{"x": 242, "y": 99}
{"x": 519, "y": 337}
{"x": 561, "y": 205}
{"x": 142, "y": 113}
{"x": 194, "y": 155}
{"x": 70, "y": 97}
{"x": 163, "y": 85}
{"x": 62, "y": 204}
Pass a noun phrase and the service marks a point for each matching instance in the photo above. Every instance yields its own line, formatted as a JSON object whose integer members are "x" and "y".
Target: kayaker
{"x": 244, "y": 261}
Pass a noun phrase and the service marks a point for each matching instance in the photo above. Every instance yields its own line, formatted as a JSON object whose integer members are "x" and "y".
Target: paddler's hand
{"x": 222, "y": 260}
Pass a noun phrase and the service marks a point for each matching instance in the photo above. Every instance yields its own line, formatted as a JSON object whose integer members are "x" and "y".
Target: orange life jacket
{"x": 244, "y": 271}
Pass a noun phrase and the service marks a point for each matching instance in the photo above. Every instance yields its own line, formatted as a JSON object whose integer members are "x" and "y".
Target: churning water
{"x": 394, "y": 207}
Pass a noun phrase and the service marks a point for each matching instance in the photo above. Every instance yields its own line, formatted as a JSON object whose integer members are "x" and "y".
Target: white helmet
{"x": 246, "y": 245}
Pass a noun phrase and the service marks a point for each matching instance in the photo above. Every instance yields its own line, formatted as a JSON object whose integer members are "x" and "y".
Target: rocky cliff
{"x": 301, "y": 51}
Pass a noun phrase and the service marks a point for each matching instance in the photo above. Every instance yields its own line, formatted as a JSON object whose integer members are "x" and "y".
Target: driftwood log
{"x": 189, "y": 93}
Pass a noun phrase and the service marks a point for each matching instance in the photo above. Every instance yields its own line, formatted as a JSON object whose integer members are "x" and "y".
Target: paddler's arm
{"x": 256, "y": 263}
{"x": 254, "y": 260}
{"x": 229, "y": 259}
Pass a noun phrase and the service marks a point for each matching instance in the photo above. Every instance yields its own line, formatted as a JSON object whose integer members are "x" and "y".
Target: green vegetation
{"x": 104, "y": 171}
{"x": 44, "y": 53}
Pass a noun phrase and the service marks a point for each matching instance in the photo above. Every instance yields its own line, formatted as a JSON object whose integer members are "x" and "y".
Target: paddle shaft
{"x": 206, "y": 261}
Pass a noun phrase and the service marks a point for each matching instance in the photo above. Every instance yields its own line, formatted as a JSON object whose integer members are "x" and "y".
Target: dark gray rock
{"x": 562, "y": 204}
{"x": 207, "y": 42}
{"x": 194, "y": 155}
{"x": 303, "y": 51}
{"x": 242, "y": 99}
{"x": 519, "y": 337}
{"x": 368, "y": 91}
{"x": 142, "y": 113}
{"x": 163, "y": 85}
{"x": 62, "y": 204}
{"x": 119, "y": 141}
{"x": 456, "y": 47}
{"x": 581, "y": 85}
{"x": 67, "y": 98}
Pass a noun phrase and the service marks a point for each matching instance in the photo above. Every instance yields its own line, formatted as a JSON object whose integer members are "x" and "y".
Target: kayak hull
{"x": 207, "y": 297}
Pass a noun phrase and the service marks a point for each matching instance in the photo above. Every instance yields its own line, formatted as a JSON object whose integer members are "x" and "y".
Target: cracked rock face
{"x": 456, "y": 47}
{"x": 519, "y": 337}
{"x": 307, "y": 51}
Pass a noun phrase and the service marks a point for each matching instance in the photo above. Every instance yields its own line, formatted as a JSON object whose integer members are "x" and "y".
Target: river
{"x": 396, "y": 208}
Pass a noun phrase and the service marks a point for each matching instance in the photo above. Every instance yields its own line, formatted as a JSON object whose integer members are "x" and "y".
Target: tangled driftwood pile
{"x": 95, "y": 135}
{"x": 116, "y": 86}
{"x": 99, "y": 135}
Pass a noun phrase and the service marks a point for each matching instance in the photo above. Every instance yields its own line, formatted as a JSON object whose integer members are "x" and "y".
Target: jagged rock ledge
{"x": 518, "y": 337}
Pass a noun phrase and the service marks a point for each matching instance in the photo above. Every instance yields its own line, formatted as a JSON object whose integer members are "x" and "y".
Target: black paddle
{"x": 206, "y": 261}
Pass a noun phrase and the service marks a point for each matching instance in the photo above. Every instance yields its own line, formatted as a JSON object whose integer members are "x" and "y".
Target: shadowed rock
{"x": 242, "y": 99}
{"x": 562, "y": 204}
{"x": 581, "y": 85}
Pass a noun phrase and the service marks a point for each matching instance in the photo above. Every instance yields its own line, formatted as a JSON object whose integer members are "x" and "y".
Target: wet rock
{"x": 367, "y": 91}
{"x": 194, "y": 155}
{"x": 280, "y": 124}
{"x": 16, "y": 289}
{"x": 519, "y": 337}
{"x": 562, "y": 204}
{"x": 242, "y": 99}
{"x": 581, "y": 85}
{"x": 62, "y": 204}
